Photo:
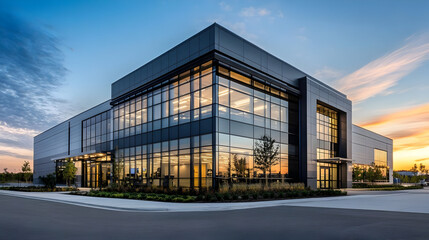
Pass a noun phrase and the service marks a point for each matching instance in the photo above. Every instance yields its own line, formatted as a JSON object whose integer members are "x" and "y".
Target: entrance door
{"x": 327, "y": 175}
{"x": 324, "y": 177}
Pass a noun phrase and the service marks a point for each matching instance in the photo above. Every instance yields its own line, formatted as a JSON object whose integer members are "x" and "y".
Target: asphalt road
{"x": 35, "y": 219}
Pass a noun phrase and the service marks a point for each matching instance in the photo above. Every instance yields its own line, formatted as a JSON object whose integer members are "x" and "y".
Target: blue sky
{"x": 91, "y": 44}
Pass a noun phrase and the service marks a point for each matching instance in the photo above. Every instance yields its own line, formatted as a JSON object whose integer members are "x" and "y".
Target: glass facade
{"x": 247, "y": 110}
{"x": 380, "y": 158}
{"x": 379, "y": 167}
{"x": 327, "y": 147}
{"x": 164, "y": 136}
{"x": 96, "y": 133}
{"x": 327, "y": 132}
{"x": 196, "y": 127}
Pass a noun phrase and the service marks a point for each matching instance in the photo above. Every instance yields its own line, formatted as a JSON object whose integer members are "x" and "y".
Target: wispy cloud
{"x": 328, "y": 74}
{"x": 31, "y": 69}
{"x": 254, "y": 12}
{"x": 225, "y": 6}
{"x": 409, "y": 129}
{"x": 382, "y": 74}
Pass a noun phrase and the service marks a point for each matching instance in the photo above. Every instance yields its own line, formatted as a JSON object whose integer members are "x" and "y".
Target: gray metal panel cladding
{"x": 54, "y": 142}
{"x": 214, "y": 37}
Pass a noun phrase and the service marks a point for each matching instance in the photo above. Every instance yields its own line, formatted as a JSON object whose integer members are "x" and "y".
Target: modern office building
{"x": 185, "y": 118}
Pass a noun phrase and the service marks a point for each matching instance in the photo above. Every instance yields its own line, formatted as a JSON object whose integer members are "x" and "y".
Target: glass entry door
{"x": 97, "y": 174}
{"x": 327, "y": 175}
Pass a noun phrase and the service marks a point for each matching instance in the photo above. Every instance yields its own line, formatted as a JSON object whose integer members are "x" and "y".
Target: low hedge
{"x": 395, "y": 188}
{"x": 215, "y": 197}
{"x": 384, "y": 187}
{"x": 39, "y": 189}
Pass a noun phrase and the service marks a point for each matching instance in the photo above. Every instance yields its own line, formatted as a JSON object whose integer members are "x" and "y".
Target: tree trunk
{"x": 266, "y": 179}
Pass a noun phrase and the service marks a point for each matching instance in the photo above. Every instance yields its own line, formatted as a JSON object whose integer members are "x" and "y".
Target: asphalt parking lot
{"x": 37, "y": 219}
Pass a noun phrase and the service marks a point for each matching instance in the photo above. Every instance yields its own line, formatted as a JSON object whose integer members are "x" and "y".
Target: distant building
{"x": 407, "y": 173}
{"x": 179, "y": 121}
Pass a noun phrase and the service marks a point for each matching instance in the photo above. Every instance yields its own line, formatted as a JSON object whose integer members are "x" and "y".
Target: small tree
{"x": 414, "y": 169}
{"x": 49, "y": 180}
{"x": 239, "y": 165}
{"x": 422, "y": 168}
{"x": 266, "y": 155}
{"x": 69, "y": 172}
{"x": 374, "y": 173}
{"x": 26, "y": 170}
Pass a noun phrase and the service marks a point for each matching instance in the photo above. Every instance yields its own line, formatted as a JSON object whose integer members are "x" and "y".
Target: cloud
{"x": 254, "y": 12}
{"x": 409, "y": 128}
{"x": 224, "y": 6}
{"x": 327, "y": 74}
{"x": 380, "y": 75}
{"x": 421, "y": 160}
{"x": 31, "y": 70}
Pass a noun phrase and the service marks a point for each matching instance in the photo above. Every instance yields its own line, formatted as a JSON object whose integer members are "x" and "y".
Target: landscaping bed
{"x": 234, "y": 194}
{"x": 386, "y": 187}
{"x": 39, "y": 189}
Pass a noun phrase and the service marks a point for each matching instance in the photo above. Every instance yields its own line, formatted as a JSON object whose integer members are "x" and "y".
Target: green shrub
{"x": 49, "y": 180}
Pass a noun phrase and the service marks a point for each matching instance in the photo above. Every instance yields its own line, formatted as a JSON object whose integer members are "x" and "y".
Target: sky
{"x": 59, "y": 58}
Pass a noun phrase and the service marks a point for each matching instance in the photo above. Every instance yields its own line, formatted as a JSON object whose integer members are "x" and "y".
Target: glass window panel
{"x": 149, "y": 114}
{"x": 185, "y": 117}
{"x": 275, "y": 112}
{"x": 165, "y": 109}
{"x": 206, "y": 112}
{"x": 196, "y": 96}
{"x": 184, "y": 89}
{"x": 185, "y": 103}
{"x": 241, "y": 116}
{"x": 206, "y": 80}
{"x": 223, "y": 81}
{"x": 157, "y": 112}
{"x": 241, "y": 88}
{"x": 258, "y": 106}
{"x": 206, "y": 96}
{"x": 184, "y": 170}
{"x": 164, "y": 96}
{"x": 223, "y": 111}
{"x": 240, "y": 78}
{"x": 196, "y": 84}
{"x": 144, "y": 115}
{"x": 195, "y": 114}
{"x": 224, "y": 96}
{"x": 174, "y": 92}
{"x": 283, "y": 113}
{"x": 259, "y": 121}
{"x": 206, "y": 140}
{"x": 223, "y": 139}
{"x": 157, "y": 99}
{"x": 174, "y": 106}
{"x": 127, "y": 121}
{"x": 132, "y": 119}
{"x": 174, "y": 144}
{"x": 138, "y": 117}
{"x": 185, "y": 143}
{"x": 241, "y": 101}
{"x": 174, "y": 120}
{"x": 223, "y": 71}
{"x": 184, "y": 77}
{"x": 275, "y": 125}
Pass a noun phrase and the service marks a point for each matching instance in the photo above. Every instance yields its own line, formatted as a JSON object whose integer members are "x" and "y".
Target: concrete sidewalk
{"x": 413, "y": 201}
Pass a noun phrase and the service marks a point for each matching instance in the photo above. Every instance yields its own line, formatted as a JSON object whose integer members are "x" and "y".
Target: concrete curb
{"x": 169, "y": 207}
